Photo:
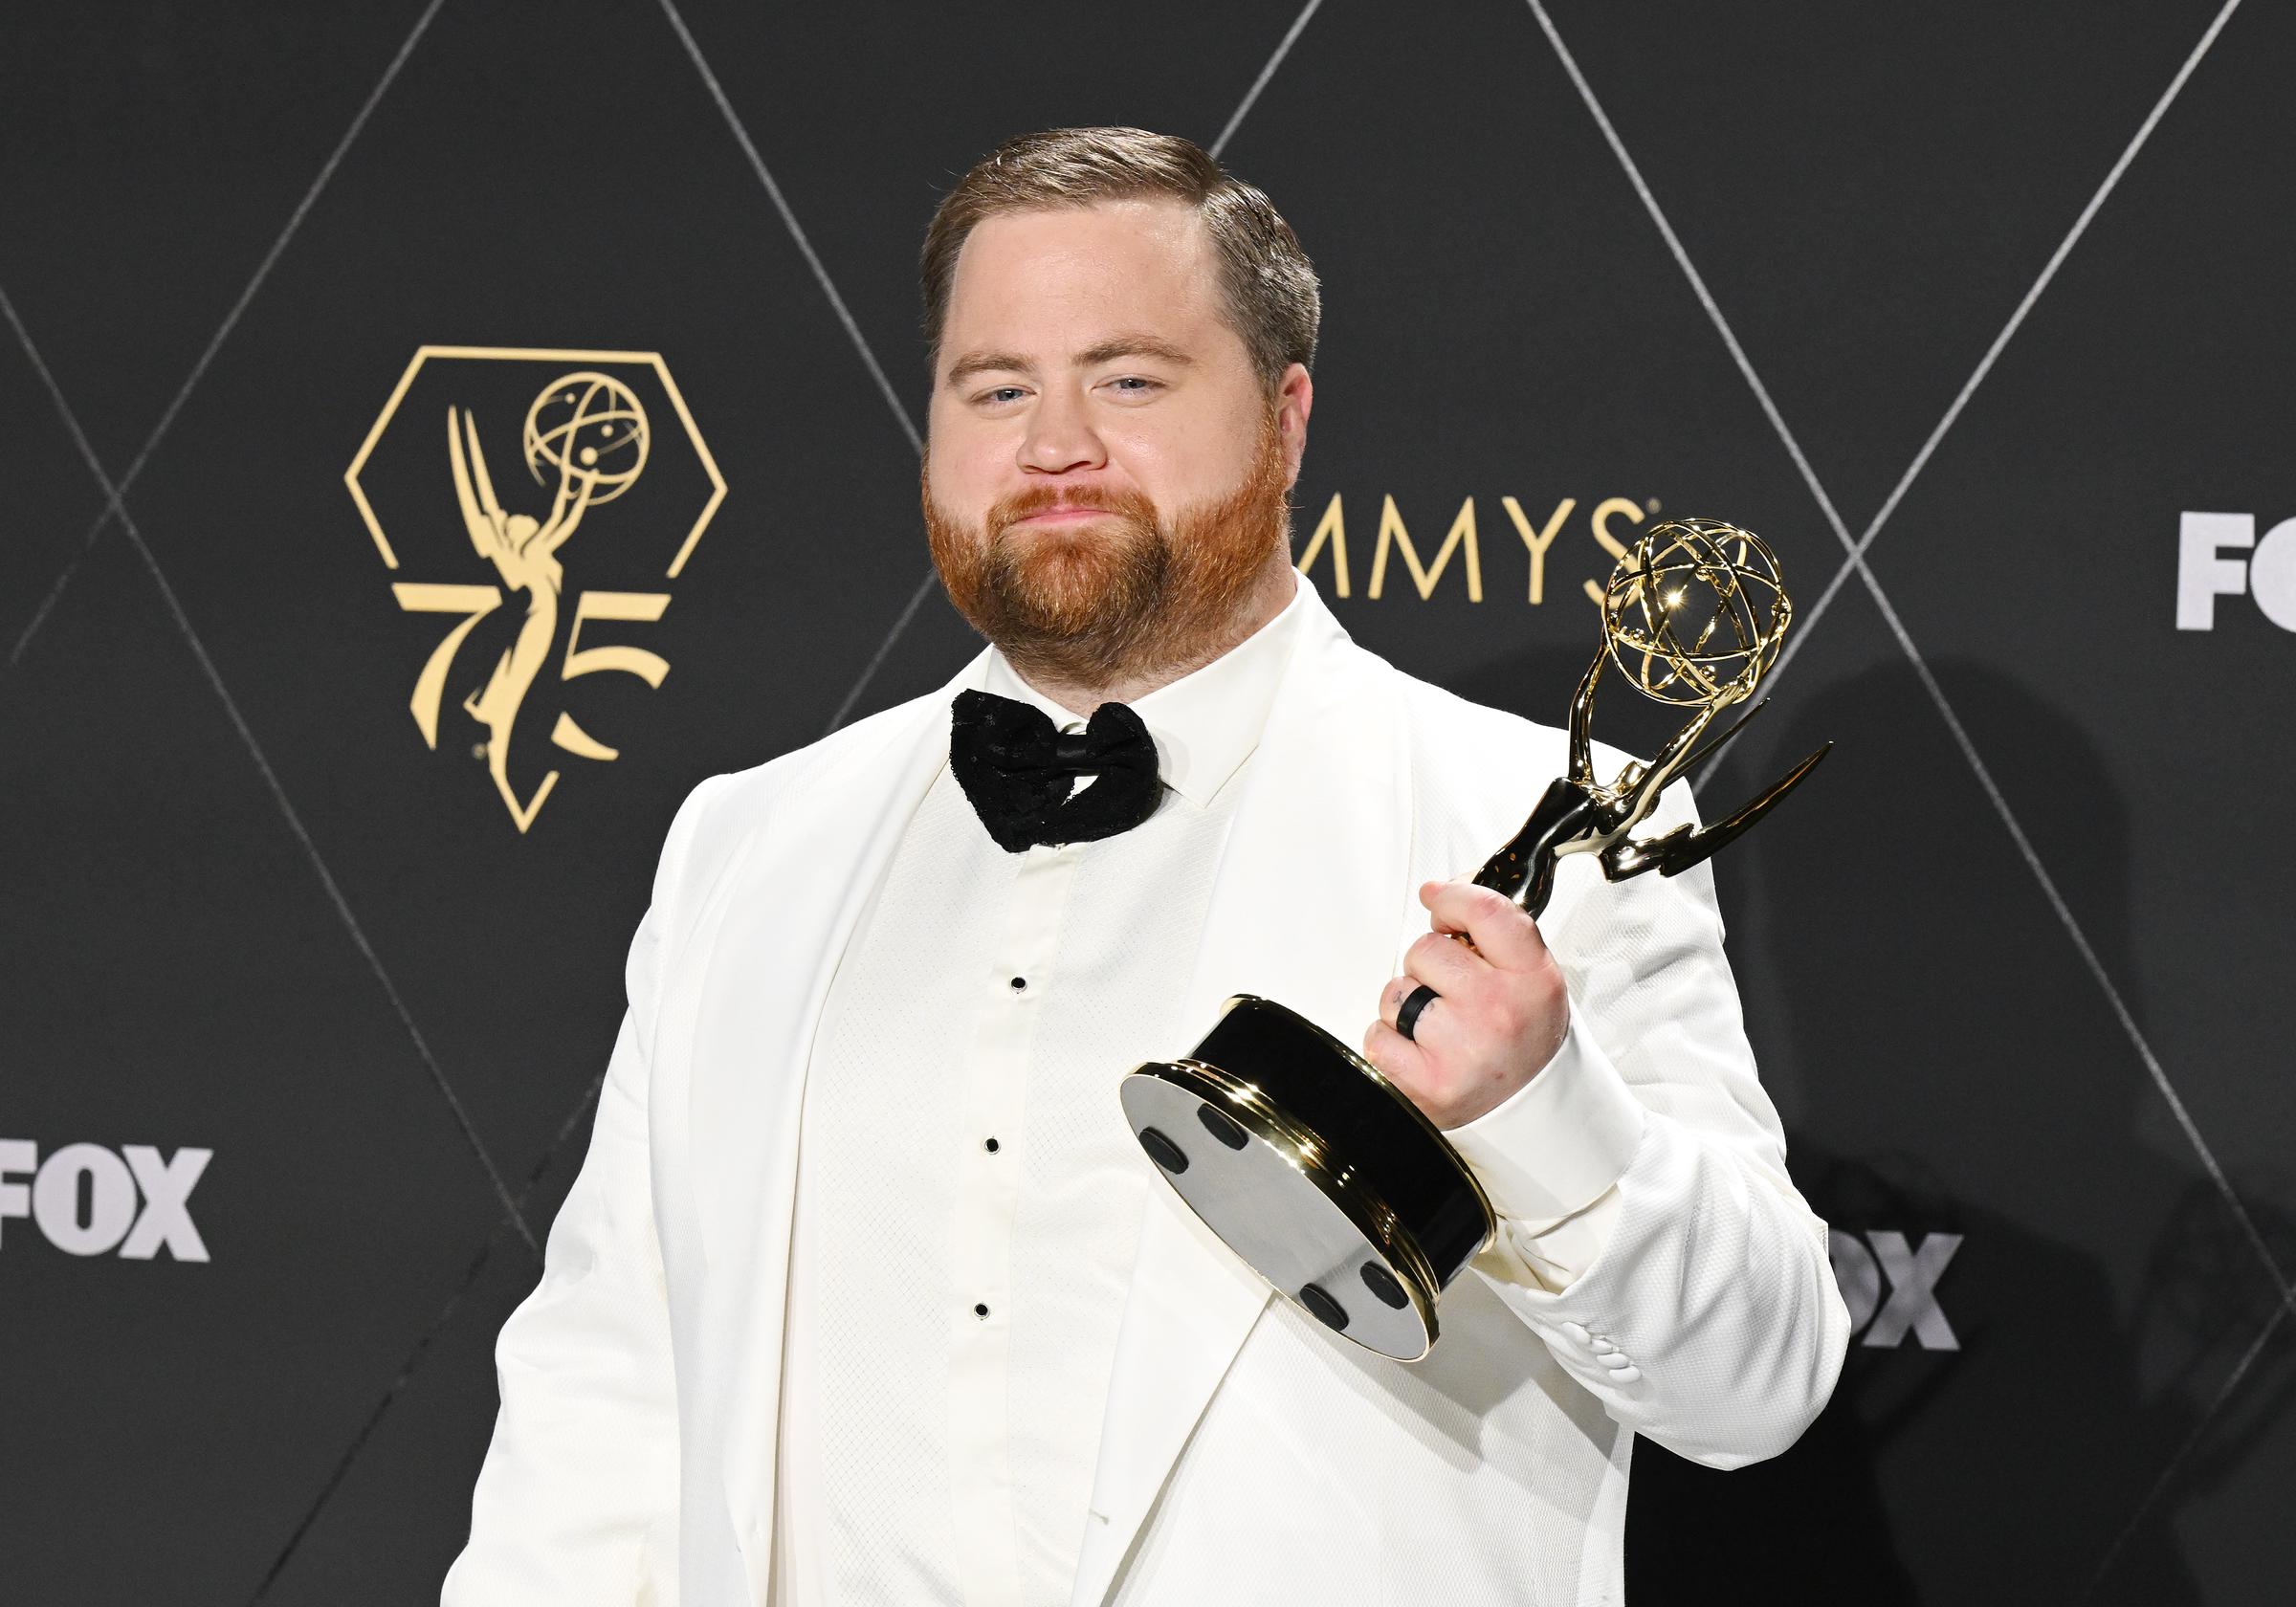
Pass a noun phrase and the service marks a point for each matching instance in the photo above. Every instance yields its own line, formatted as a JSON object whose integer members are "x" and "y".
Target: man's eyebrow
{"x": 983, "y": 363}
{"x": 1131, "y": 345}
{"x": 1106, "y": 351}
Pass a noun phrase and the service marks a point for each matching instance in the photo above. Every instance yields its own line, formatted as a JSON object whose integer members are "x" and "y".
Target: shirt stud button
{"x": 992, "y": 1144}
{"x": 1020, "y": 984}
{"x": 980, "y": 1310}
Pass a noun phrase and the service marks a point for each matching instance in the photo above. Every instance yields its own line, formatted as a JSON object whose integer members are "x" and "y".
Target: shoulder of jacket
{"x": 1472, "y": 748}
{"x": 1440, "y": 708}
{"x": 1459, "y": 742}
{"x": 724, "y": 810}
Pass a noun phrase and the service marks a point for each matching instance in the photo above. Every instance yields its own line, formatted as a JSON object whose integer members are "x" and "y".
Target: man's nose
{"x": 1061, "y": 436}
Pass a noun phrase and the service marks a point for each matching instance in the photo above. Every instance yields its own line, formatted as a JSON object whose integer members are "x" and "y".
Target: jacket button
{"x": 1625, "y": 1374}
{"x": 1573, "y": 1332}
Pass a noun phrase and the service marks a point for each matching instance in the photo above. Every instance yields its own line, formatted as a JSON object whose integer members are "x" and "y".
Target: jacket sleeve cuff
{"x": 1560, "y": 1141}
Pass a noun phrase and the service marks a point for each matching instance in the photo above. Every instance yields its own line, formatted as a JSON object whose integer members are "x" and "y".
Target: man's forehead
{"x": 1133, "y": 260}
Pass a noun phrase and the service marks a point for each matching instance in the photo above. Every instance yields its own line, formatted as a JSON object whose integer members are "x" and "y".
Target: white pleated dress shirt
{"x": 968, "y": 1197}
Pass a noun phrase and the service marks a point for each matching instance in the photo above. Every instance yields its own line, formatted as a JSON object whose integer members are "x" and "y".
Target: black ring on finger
{"x": 1416, "y": 999}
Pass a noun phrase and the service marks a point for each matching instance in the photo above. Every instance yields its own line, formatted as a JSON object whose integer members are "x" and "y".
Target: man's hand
{"x": 1501, "y": 1017}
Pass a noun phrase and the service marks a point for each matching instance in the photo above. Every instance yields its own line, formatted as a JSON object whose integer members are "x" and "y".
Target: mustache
{"x": 1036, "y": 500}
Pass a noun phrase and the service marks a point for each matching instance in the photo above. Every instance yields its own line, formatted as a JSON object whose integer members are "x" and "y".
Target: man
{"x": 865, "y": 1293}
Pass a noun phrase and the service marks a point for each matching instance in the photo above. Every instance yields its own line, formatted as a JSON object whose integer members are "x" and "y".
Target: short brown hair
{"x": 1269, "y": 285}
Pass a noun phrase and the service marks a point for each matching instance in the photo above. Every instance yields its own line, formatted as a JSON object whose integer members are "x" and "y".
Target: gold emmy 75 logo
{"x": 610, "y": 454}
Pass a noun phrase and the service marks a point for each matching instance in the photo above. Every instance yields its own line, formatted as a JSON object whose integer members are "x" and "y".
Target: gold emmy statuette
{"x": 1292, "y": 1147}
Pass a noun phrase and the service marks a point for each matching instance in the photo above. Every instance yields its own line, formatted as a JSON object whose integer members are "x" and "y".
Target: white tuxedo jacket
{"x": 1247, "y": 1455}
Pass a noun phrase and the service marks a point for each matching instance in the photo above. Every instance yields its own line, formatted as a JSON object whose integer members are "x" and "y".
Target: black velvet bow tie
{"x": 1020, "y": 773}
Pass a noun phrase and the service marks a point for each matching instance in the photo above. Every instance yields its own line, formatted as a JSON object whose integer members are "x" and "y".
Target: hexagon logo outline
{"x": 589, "y": 428}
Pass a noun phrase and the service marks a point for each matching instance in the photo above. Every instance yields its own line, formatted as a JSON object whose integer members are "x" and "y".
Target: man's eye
{"x": 1003, "y": 393}
{"x": 1132, "y": 384}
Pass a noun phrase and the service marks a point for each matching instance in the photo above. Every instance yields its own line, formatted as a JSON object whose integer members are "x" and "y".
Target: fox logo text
{"x": 1889, "y": 1285}
{"x": 88, "y": 1201}
{"x": 2204, "y": 572}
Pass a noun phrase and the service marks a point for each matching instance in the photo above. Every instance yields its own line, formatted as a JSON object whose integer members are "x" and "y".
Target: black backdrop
{"x": 1966, "y": 306}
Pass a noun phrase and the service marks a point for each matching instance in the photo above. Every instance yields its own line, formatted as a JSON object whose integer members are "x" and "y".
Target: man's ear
{"x": 1295, "y": 399}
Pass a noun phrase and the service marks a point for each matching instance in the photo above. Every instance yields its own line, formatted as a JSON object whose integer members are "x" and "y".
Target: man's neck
{"x": 1268, "y": 598}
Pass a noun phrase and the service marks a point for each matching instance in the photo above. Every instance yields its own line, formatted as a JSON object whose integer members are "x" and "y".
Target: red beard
{"x": 1134, "y": 595}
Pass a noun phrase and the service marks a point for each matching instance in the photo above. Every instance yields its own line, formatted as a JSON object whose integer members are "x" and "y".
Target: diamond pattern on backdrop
{"x": 124, "y": 253}
{"x": 48, "y": 495}
{"x": 192, "y": 986}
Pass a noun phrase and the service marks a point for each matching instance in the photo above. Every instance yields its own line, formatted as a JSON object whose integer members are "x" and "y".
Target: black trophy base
{"x": 1314, "y": 1169}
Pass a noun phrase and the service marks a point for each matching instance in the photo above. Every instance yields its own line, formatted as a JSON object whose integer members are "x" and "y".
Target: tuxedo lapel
{"x": 784, "y": 923}
{"x": 1306, "y": 908}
